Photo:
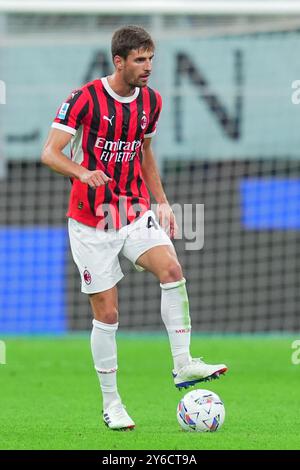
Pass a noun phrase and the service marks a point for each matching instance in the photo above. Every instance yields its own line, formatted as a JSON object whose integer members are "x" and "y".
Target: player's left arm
{"x": 153, "y": 181}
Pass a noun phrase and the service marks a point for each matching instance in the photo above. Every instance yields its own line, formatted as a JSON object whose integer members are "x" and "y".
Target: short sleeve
{"x": 151, "y": 129}
{"x": 71, "y": 113}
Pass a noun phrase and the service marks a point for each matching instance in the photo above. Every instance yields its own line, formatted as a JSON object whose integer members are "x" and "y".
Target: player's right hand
{"x": 95, "y": 178}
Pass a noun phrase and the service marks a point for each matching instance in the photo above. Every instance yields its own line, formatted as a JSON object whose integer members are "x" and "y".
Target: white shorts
{"x": 96, "y": 252}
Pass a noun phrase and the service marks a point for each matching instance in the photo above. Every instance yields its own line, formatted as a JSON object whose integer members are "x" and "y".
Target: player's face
{"x": 137, "y": 67}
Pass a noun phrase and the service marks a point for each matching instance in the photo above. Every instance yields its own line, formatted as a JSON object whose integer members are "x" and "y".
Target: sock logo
{"x": 183, "y": 330}
{"x": 107, "y": 371}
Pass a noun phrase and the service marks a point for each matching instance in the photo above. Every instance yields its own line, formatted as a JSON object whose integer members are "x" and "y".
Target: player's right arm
{"x": 69, "y": 117}
{"x": 54, "y": 157}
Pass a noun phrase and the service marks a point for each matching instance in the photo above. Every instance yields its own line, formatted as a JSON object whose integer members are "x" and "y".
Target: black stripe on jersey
{"x": 140, "y": 105}
{"x": 139, "y": 184}
{"x": 119, "y": 168}
{"x": 156, "y": 116}
{"x": 81, "y": 115}
{"x": 92, "y": 164}
{"x": 72, "y": 101}
{"x": 153, "y": 102}
{"x": 110, "y": 135}
{"x": 124, "y": 135}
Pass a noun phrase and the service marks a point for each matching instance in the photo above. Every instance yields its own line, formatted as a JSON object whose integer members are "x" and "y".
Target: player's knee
{"x": 108, "y": 315}
{"x": 104, "y": 310}
{"x": 171, "y": 273}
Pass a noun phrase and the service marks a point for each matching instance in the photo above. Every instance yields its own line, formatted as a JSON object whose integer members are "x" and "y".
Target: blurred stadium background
{"x": 228, "y": 138}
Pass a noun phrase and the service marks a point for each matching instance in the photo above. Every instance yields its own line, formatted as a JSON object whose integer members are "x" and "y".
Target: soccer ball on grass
{"x": 201, "y": 411}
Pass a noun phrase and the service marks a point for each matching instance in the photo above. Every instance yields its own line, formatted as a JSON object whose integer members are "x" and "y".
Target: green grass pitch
{"x": 50, "y": 396}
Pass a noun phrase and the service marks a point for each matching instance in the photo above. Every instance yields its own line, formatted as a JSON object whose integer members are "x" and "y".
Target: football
{"x": 201, "y": 411}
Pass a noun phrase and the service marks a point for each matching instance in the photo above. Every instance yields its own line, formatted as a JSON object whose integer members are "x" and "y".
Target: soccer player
{"x": 110, "y": 123}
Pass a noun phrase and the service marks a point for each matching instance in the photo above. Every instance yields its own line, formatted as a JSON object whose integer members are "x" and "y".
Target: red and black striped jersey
{"x": 108, "y": 133}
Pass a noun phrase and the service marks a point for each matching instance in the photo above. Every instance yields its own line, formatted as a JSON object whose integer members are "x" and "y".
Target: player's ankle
{"x": 109, "y": 398}
{"x": 181, "y": 360}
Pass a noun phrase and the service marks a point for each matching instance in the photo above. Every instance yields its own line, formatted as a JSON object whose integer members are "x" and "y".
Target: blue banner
{"x": 32, "y": 280}
{"x": 270, "y": 203}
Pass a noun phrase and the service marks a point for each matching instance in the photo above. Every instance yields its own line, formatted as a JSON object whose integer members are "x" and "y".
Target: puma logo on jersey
{"x": 106, "y": 118}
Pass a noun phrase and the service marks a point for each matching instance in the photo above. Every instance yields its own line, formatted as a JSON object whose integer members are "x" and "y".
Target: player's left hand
{"x": 167, "y": 219}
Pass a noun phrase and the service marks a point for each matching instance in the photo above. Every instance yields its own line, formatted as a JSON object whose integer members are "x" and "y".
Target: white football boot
{"x": 197, "y": 371}
{"x": 116, "y": 417}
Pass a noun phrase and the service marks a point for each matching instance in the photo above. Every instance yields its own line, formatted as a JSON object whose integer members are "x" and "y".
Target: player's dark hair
{"x": 130, "y": 38}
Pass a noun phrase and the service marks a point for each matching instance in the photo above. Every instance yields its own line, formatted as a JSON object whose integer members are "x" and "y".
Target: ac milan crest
{"x": 87, "y": 277}
{"x": 144, "y": 121}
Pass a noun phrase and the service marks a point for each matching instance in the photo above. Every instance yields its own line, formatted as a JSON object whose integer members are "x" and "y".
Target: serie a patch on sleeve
{"x": 63, "y": 110}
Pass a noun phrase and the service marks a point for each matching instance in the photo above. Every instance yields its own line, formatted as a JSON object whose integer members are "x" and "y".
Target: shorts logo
{"x": 63, "y": 110}
{"x": 144, "y": 121}
{"x": 87, "y": 277}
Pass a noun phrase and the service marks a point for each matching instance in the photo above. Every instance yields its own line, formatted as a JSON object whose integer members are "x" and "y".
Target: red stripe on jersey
{"x": 117, "y": 121}
{"x": 124, "y": 201}
{"x": 103, "y": 124}
{"x": 86, "y": 130}
{"x": 142, "y": 188}
{"x": 78, "y": 196}
{"x": 155, "y": 105}
{"x": 79, "y": 103}
{"x": 146, "y": 98}
{"x": 157, "y": 108}
{"x": 152, "y": 118}
{"x": 103, "y": 195}
{"x": 140, "y": 201}
{"x": 129, "y": 187}
{"x": 145, "y": 104}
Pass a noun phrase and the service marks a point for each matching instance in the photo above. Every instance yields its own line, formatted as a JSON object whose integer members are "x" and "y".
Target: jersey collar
{"x": 121, "y": 99}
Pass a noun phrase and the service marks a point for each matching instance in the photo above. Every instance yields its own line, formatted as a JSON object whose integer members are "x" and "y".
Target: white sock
{"x": 104, "y": 351}
{"x": 176, "y": 317}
